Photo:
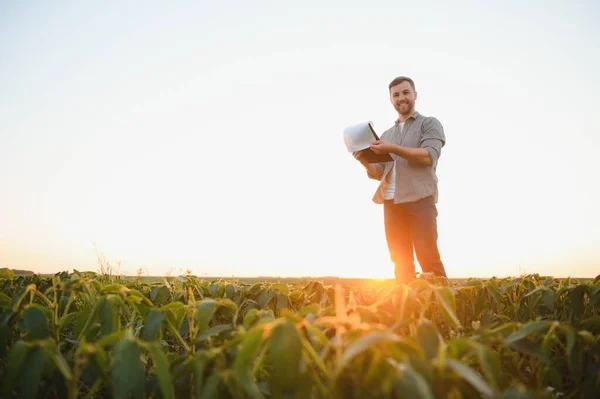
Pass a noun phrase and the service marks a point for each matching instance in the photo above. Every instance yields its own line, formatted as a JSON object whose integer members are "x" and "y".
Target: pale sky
{"x": 209, "y": 136}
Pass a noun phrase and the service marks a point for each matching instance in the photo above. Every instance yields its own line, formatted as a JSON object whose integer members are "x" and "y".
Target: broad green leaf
{"x": 229, "y": 291}
{"x": 505, "y": 328}
{"x": 162, "y": 370}
{"x": 538, "y": 289}
{"x": 362, "y": 344}
{"x": 406, "y": 347}
{"x": 198, "y": 365}
{"x": 7, "y": 273}
{"x": 282, "y": 301}
{"x": 172, "y": 306}
{"x": 19, "y": 300}
{"x": 411, "y": 384}
{"x": 251, "y": 318}
{"x": 284, "y": 354}
{"x": 588, "y": 338}
{"x": 487, "y": 319}
{"x": 58, "y": 382}
{"x": 113, "y": 289}
{"x": 314, "y": 357}
{"x": 111, "y": 339}
{"x": 226, "y": 303}
{"x": 184, "y": 328}
{"x": 571, "y": 339}
{"x": 211, "y": 386}
{"x": 16, "y": 357}
{"x": 6, "y": 335}
{"x": 429, "y": 338}
{"x": 243, "y": 364}
{"x": 551, "y": 377}
{"x": 68, "y": 320}
{"x": 35, "y": 322}
{"x": 109, "y": 308}
{"x": 445, "y": 298}
{"x": 30, "y": 375}
{"x": 530, "y": 348}
{"x": 171, "y": 328}
{"x": 137, "y": 294}
{"x": 4, "y": 299}
{"x": 513, "y": 282}
{"x": 595, "y": 298}
{"x": 471, "y": 377}
{"x": 494, "y": 292}
{"x": 592, "y": 324}
{"x": 481, "y": 303}
{"x": 313, "y": 308}
{"x": 127, "y": 370}
{"x": 221, "y": 289}
{"x": 48, "y": 314}
{"x": 84, "y": 320}
{"x": 204, "y": 313}
{"x": 215, "y": 330}
{"x": 159, "y": 295}
{"x": 153, "y": 325}
{"x": 281, "y": 288}
{"x": 57, "y": 358}
{"x": 576, "y": 301}
{"x": 458, "y": 347}
{"x": 548, "y": 300}
{"x": 179, "y": 314}
{"x": 490, "y": 364}
{"x": 264, "y": 298}
{"x": 255, "y": 289}
{"x": 573, "y": 356}
{"x": 214, "y": 290}
{"x": 527, "y": 330}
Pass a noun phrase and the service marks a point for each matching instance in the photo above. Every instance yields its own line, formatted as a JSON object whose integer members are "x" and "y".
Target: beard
{"x": 405, "y": 108}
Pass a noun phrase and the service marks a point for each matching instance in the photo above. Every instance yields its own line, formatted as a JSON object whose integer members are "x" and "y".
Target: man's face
{"x": 403, "y": 98}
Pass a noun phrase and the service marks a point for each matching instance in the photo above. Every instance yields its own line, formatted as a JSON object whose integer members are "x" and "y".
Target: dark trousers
{"x": 412, "y": 227}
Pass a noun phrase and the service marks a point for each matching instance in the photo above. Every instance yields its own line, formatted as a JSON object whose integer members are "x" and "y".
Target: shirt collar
{"x": 413, "y": 116}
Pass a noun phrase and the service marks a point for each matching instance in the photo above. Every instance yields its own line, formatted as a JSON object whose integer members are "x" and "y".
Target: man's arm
{"x": 433, "y": 139}
{"x": 374, "y": 170}
{"x": 427, "y": 154}
{"x": 416, "y": 155}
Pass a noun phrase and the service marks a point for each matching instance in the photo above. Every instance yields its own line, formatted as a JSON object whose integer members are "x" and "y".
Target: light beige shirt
{"x": 413, "y": 181}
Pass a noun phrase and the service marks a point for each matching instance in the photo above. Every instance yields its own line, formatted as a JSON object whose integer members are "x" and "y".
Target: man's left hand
{"x": 382, "y": 147}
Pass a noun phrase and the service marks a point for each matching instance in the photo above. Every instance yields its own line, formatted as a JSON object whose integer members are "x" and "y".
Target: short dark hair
{"x": 401, "y": 79}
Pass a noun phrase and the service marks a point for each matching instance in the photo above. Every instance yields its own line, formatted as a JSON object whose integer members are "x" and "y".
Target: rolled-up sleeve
{"x": 379, "y": 174}
{"x": 433, "y": 138}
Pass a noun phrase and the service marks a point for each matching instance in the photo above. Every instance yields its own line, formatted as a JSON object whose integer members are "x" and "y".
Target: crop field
{"x": 86, "y": 335}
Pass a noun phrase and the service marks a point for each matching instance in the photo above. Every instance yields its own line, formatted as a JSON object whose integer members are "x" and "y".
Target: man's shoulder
{"x": 428, "y": 119}
{"x": 430, "y": 123}
{"x": 388, "y": 131}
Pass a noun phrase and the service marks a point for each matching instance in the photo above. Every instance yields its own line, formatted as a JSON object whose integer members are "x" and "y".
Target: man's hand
{"x": 374, "y": 170}
{"x": 419, "y": 156}
{"x": 360, "y": 156}
{"x": 382, "y": 147}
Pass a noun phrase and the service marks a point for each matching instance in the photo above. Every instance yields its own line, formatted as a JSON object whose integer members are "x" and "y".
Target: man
{"x": 408, "y": 189}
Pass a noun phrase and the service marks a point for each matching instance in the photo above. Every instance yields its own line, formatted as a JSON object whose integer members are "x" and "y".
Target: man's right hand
{"x": 360, "y": 156}
{"x": 372, "y": 168}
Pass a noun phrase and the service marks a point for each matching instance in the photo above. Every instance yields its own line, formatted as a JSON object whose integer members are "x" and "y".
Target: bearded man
{"x": 408, "y": 188}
